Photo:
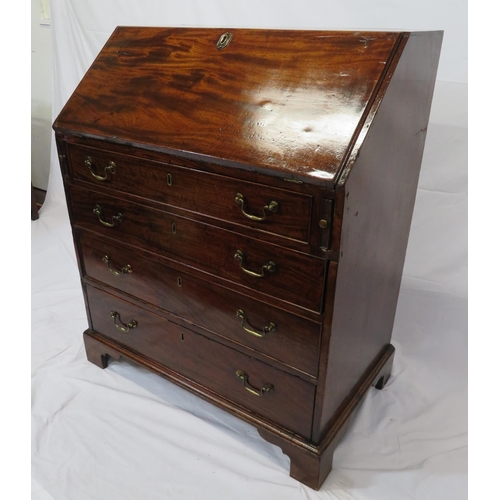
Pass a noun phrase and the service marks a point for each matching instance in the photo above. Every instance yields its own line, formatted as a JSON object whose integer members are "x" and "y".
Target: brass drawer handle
{"x": 116, "y": 218}
{"x": 272, "y": 207}
{"x": 257, "y": 392}
{"x": 268, "y": 266}
{"x": 110, "y": 168}
{"x": 122, "y": 271}
{"x": 268, "y": 328}
{"x": 121, "y": 326}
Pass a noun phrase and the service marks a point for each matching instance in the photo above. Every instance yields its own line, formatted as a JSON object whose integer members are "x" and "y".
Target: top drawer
{"x": 240, "y": 202}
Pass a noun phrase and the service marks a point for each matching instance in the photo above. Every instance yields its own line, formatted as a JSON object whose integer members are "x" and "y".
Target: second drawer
{"x": 277, "y": 334}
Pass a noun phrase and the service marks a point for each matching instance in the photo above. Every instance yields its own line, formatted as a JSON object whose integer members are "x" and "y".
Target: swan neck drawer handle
{"x": 124, "y": 270}
{"x": 268, "y": 328}
{"x": 122, "y": 326}
{"x": 268, "y": 266}
{"x": 272, "y": 207}
{"x": 111, "y": 168}
{"x": 256, "y": 392}
{"x": 115, "y": 218}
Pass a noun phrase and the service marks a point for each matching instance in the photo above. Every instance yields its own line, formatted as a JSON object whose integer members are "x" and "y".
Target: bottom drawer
{"x": 285, "y": 399}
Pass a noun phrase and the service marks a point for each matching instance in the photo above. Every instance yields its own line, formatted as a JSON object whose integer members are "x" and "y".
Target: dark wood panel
{"x": 212, "y": 195}
{"x": 292, "y": 340}
{"x": 377, "y": 195}
{"x": 297, "y": 278}
{"x": 287, "y": 101}
{"x": 148, "y": 152}
{"x": 289, "y": 402}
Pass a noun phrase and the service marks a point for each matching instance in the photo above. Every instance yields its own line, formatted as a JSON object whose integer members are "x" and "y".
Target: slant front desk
{"x": 240, "y": 203}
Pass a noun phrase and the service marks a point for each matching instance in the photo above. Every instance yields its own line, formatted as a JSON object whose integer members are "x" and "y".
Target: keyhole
{"x": 169, "y": 179}
{"x": 182, "y": 336}
{"x": 224, "y": 40}
{"x": 174, "y": 228}
{"x": 179, "y": 281}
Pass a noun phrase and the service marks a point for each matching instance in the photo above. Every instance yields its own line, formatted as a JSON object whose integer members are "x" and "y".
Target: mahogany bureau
{"x": 240, "y": 203}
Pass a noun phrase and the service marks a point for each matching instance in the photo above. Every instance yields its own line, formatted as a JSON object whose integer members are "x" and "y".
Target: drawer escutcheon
{"x": 224, "y": 40}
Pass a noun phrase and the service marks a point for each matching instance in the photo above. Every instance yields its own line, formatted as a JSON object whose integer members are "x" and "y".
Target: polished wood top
{"x": 288, "y": 101}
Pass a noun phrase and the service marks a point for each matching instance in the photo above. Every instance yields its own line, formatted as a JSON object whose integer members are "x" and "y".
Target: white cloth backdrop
{"x": 123, "y": 433}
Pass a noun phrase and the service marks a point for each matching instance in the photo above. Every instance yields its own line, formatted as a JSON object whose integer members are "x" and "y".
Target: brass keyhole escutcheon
{"x": 224, "y": 40}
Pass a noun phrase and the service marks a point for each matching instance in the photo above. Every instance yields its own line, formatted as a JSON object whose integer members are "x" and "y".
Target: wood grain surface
{"x": 293, "y": 340}
{"x": 196, "y": 191}
{"x": 207, "y": 362}
{"x": 298, "y": 277}
{"x": 373, "y": 217}
{"x": 286, "y": 101}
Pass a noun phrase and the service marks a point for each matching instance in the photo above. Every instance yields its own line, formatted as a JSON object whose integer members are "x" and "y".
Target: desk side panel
{"x": 376, "y": 197}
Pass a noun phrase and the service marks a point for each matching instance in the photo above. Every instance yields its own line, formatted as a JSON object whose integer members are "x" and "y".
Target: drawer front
{"x": 288, "y": 213}
{"x": 284, "y": 274}
{"x": 275, "y": 333}
{"x": 214, "y": 366}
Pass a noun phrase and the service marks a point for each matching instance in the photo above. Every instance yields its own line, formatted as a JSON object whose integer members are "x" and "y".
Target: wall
{"x": 41, "y": 95}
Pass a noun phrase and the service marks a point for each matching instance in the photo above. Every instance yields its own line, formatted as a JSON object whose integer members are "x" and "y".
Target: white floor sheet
{"x": 124, "y": 433}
